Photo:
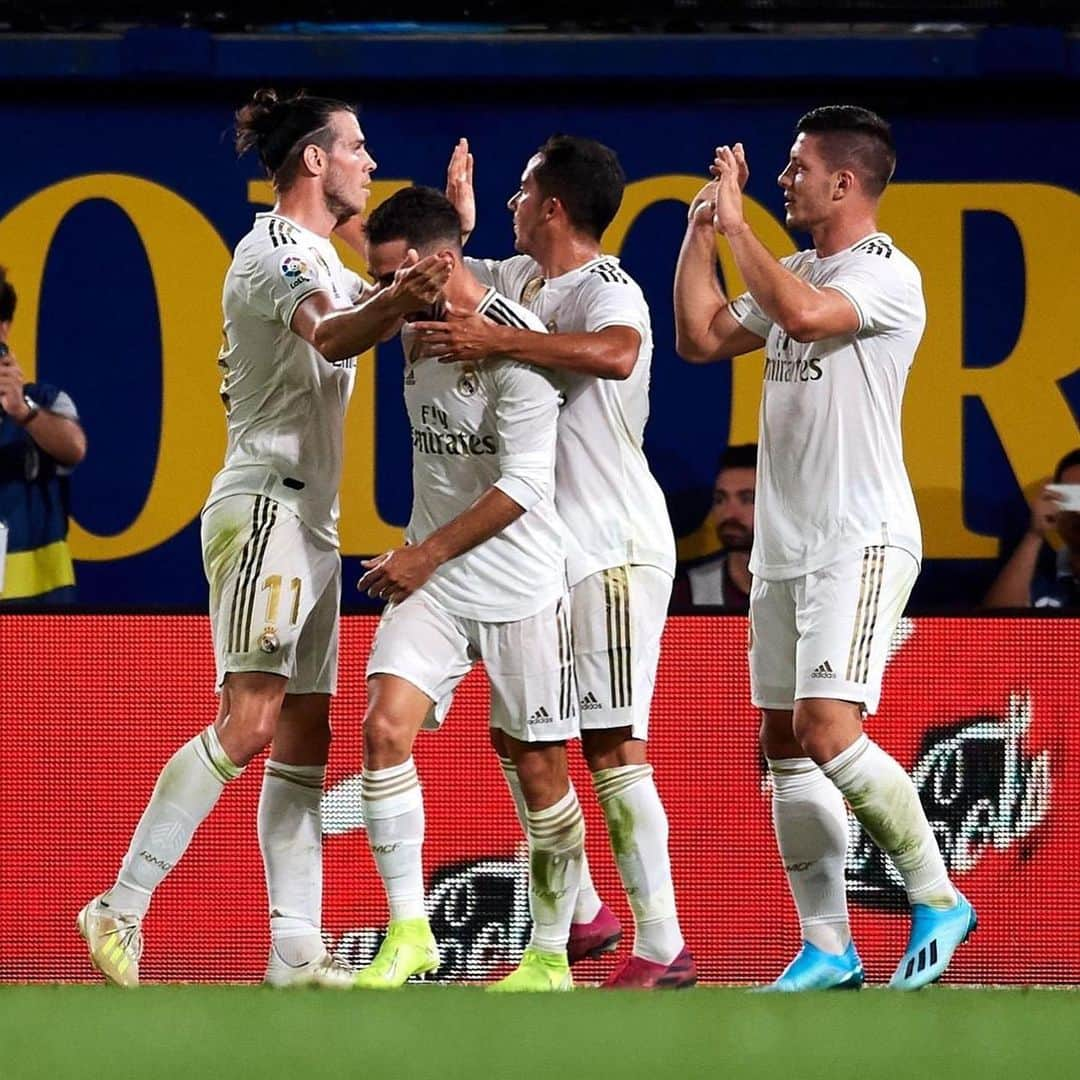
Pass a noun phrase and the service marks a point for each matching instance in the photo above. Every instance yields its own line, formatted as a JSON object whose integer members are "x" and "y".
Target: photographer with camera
{"x": 1020, "y": 583}
{"x": 41, "y": 441}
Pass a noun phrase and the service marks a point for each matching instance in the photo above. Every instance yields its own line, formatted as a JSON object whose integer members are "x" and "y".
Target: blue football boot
{"x": 935, "y": 936}
{"x": 813, "y": 969}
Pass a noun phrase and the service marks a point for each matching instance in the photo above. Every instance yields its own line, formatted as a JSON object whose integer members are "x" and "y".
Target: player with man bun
{"x": 295, "y": 320}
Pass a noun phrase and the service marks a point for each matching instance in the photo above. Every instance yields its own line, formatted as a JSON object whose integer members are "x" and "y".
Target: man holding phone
{"x": 41, "y": 441}
{"x": 1057, "y": 506}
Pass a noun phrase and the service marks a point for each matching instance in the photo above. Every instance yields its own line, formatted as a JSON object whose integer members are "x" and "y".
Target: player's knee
{"x": 387, "y": 740}
{"x": 612, "y": 748}
{"x": 246, "y": 734}
{"x": 543, "y": 776}
{"x": 498, "y": 742}
{"x": 777, "y": 739}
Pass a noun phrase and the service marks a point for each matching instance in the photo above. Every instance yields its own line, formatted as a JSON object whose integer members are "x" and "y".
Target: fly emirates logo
{"x": 787, "y": 369}
{"x": 434, "y": 436}
{"x": 781, "y": 370}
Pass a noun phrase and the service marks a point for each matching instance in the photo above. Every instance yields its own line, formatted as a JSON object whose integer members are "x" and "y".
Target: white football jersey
{"x": 606, "y": 495}
{"x": 474, "y": 428}
{"x": 284, "y": 402}
{"x": 830, "y": 475}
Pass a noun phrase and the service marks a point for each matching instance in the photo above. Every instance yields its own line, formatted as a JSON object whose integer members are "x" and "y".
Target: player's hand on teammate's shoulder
{"x": 459, "y": 187}
{"x": 397, "y": 574}
{"x": 418, "y": 283}
{"x": 463, "y": 336}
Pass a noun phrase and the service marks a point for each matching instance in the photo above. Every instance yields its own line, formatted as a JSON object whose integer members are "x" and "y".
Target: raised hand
{"x": 703, "y": 207}
{"x": 731, "y": 172}
{"x": 459, "y": 187}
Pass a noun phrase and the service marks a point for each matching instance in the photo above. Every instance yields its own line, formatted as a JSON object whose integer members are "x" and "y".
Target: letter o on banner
{"x": 176, "y": 238}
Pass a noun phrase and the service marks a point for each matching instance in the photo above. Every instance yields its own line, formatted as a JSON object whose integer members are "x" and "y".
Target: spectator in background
{"x": 1020, "y": 584}
{"x": 41, "y": 441}
{"x": 723, "y": 580}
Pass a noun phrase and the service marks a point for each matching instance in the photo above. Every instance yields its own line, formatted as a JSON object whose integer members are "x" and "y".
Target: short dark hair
{"x": 421, "y": 216}
{"x": 8, "y": 299}
{"x": 1067, "y": 462}
{"x": 855, "y": 138}
{"x": 586, "y": 177}
{"x": 279, "y": 129}
{"x": 743, "y": 456}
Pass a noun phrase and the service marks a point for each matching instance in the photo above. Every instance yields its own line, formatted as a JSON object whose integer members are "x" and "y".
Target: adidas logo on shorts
{"x": 589, "y": 701}
{"x": 823, "y": 671}
{"x": 541, "y": 716}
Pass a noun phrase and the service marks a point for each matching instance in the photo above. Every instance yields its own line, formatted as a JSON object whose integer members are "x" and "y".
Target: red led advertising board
{"x": 982, "y": 712}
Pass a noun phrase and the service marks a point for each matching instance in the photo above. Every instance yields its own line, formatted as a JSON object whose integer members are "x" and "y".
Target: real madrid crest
{"x": 268, "y": 640}
{"x": 532, "y": 287}
{"x": 466, "y": 384}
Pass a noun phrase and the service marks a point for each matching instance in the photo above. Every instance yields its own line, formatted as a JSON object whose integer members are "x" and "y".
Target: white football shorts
{"x": 827, "y": 634}
{"x": 275, "y": 593}
{"x": 529, "y": 664}
{"x": 619, "y": 617}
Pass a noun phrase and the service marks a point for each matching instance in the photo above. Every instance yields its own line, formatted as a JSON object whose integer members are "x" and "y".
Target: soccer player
{"x": 482, "y": 577}
{"x": 622, "y": 556}
{"x": 269, "y": 535}
{"x": 836, "y": 534}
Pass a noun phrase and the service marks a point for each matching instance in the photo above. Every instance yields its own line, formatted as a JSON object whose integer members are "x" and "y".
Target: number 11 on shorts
{"x": 272, "y": 584}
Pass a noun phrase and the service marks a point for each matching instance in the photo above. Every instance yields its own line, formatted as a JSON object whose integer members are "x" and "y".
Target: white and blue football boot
{"x": 935, "y": 936}
{"x": 813, "y": 969}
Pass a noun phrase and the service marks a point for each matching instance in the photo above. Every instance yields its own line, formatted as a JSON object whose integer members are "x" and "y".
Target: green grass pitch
{"x": 196, "y": 1032}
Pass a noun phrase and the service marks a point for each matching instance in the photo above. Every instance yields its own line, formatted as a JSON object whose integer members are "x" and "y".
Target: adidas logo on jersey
{"x": 610, "y": 272}
{"x": 875, "y": 245}
{"x": 541, "y": 716}
{"x": 823, "y": 671}
{"x": 589, "y": 701}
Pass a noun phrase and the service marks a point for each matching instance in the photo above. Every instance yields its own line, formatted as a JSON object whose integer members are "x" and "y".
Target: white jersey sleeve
{"x": 526, "y": 415}
{"x": 610, "y": 298}
{"x": 749, "y": 314}
{"x": 358, "y": 288}
{"x": 281, "y": 279}
{"x": 883, "y": 295}
{"x": 511, "y": 277}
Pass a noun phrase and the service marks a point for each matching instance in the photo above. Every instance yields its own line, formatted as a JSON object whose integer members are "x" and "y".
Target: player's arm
{"x": 705, "y": 328}
{"x": 804, "y": 311}
{"x": 61, "y": 437}
{"x": 400, "y": 572}
{"x": 609, "y": 353}
{"x": 339, "y": 333}
{"x": 527, "y": 412}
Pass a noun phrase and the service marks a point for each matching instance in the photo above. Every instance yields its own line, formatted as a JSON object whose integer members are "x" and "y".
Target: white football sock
{"x": 588, "y": 902}
{"x": 556, "y": 847}
{"x": 638, "y": 827}
{"x": 394, "y": 813}
{"x": 810, "y": 821}
{"x": 185, "y": 793}
{"x": 290, "y": 838}
{"x": 882, "y": 796}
